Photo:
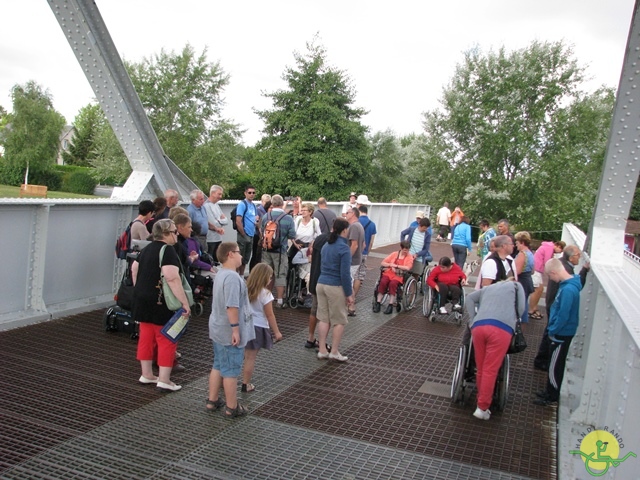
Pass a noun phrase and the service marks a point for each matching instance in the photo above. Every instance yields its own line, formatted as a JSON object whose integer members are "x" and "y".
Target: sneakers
{"x": 283, "y": 305}
{"x": 482, "y": 414}
{"x": 338, "y": 357}
{"x": 457, "y": 307}
{"x": 388, "y": 310}
{"x": 544, "y": 401}
{"x": 376, "y": 307}
{"x": 443, "y": 311}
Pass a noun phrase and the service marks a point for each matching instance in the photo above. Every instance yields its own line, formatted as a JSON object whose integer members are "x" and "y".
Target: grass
{"x": 7, "y": 191}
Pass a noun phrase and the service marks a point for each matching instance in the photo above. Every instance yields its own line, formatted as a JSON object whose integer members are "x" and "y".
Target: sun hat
{"x": 363, "y": 200}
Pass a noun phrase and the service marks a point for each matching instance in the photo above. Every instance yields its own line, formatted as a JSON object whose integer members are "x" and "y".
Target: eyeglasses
{"x": 235, "y": 251}
{"x": 251, "y": 193}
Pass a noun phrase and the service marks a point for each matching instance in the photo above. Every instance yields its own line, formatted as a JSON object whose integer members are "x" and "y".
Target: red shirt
{"x": 452, "y": 277}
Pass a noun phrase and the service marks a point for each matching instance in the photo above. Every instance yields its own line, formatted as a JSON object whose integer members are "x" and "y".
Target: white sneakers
{"x": 482, "y": 414}
{"x": 457, "y": 307}
{"x": 338, "y": 357}
{"x": 443, "y": 311}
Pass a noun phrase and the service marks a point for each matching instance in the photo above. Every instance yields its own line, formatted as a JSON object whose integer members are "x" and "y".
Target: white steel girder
{"x": 87, "y": 34}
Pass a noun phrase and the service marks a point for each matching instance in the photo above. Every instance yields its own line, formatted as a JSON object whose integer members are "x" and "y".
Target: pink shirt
{"x": 543, "y": 254}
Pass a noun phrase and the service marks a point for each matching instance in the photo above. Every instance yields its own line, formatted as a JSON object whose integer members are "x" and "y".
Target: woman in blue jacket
{"x": 461, "y": 242}
{"x": 334, "y": 290}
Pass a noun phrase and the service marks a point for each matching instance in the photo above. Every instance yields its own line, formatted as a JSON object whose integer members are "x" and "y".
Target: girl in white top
{"x": 264, "y": 320}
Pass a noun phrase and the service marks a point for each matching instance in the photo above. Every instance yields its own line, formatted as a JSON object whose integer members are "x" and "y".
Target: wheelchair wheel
{"x": 197, "y": 309}
{"x": 291, "y": 288}
{"x": 457, "y": 382}
{"x": 410, "y": 293}
{"x": 428, "y": 304}
{"x": 501, "y": 391}
{"x": 424, "y": 288}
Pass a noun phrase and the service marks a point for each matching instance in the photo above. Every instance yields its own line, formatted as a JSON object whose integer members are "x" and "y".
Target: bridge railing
{"x": 59, "y": 254}
{"x": 601, "y": 388}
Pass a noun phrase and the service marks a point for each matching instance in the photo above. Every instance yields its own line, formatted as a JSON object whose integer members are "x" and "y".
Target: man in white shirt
{"x": 498, "y": 265}
{"x": 443, "y": 218}
{"x": 352, "y": 204}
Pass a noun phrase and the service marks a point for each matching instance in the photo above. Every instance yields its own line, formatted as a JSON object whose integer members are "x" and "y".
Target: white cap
{"x": 419, "y": 214}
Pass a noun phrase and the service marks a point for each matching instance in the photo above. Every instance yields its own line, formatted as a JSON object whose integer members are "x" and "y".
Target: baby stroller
{"x": 431, "y": 302}
{"x": 405, "y": 295}
{"x": 464, "y": 375}
{"x": 201, "y": 285}
{"x": 297, "y": 280}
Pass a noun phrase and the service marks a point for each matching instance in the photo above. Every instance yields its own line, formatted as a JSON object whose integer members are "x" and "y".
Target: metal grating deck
{"x": 71, "y": 407}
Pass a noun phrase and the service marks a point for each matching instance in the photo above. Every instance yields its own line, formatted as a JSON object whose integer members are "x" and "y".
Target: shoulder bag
{"x": 518, "y": 342}
{"x": 169, "y": 298}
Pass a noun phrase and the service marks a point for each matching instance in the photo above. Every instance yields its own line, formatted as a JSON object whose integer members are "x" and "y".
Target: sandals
{"x": 239, "y": 411}
{"x": 248, "y": 387}
{"x": 537, "y": 315}
{"x": 314, "y": 344}
{"x": 213, "y": 405}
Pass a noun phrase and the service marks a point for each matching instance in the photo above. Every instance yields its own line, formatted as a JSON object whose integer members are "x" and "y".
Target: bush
{"x": 50, "y": 178}
{"x": 79, "y": 182}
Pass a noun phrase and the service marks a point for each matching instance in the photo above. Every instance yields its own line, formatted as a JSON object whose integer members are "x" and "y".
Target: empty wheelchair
{"x": 464, "y": 378}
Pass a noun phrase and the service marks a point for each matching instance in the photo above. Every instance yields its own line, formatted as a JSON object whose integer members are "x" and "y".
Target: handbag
{"x": 518, "y": 342}
{"x": 169, "y": 298}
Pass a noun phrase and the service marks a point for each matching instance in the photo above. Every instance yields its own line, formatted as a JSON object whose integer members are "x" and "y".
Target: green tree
{"x": 387, "y": 177}
{"x": 182, "y": 95}
{"x": 89, "y": 121}
{"x": 31, "y": 135}
{"x": 515, "y": 137}
{"x": 314, "y": 143}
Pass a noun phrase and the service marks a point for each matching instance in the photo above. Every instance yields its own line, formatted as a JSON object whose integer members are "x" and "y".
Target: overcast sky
{"x": 398, "y": 54}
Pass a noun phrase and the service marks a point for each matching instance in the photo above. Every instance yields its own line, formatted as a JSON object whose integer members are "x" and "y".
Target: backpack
{"x": 233, "y": 216}
{"x": 123, "y": 243}
{"x": 271, "y": 236}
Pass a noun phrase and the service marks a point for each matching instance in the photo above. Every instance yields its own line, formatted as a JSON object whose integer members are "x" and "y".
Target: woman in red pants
{"x": 493, "y": 313}
{"x": 397, "y": 264}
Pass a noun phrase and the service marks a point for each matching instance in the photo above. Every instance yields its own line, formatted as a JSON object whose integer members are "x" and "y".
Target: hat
{"x": 419, "y": 214}
{"x": 352, "y": 194}
{"x": 363, "y": 200}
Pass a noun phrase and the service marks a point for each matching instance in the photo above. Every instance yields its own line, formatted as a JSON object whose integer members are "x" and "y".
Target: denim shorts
{"x": 227, "y": 359}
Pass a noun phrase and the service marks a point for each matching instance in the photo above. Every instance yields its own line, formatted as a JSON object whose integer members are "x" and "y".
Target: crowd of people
{"x": 269, "y": 235}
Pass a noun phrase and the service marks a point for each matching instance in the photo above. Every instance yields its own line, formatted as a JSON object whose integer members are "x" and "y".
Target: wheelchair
{"x": 464, "y": 376}
{"x": 431, "y": 301}
{"x": 406, "y": 294}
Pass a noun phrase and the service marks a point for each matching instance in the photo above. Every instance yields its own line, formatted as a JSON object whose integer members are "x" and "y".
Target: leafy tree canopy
{"x": 31, "y": 134}
{"x": 515, "y": 137}
{"x": 314, "y": 143}
{"x": 88, "y": 124}
{"x": 182, "y": 95}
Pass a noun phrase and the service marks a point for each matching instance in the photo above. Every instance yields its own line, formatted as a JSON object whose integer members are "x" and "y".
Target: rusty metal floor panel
{"x": 71, "y": 407}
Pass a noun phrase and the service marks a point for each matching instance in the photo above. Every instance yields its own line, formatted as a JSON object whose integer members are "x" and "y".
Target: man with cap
{"x": 348, "y": 206}
{"x": 370, "y": 232}
{"x": 416, "y": 222}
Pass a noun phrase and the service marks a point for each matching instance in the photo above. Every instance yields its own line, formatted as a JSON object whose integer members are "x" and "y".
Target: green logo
{"x": 599, "y": 450}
